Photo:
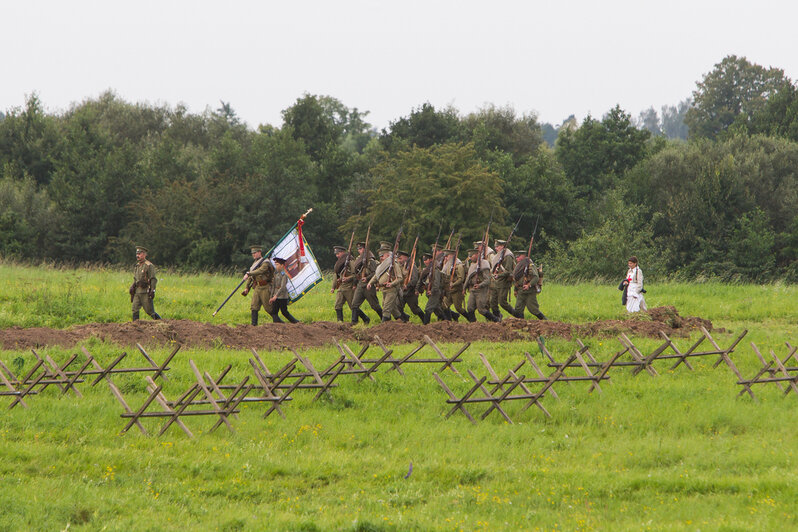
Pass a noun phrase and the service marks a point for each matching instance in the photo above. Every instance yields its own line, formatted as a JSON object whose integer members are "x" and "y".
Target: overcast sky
{"x": 555, "y": 58}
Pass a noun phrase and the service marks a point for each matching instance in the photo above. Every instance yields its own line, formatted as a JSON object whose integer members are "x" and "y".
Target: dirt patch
{"x": 274, "y": 336}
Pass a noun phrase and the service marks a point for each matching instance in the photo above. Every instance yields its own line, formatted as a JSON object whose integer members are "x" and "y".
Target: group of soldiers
{"x": 487, "y": 276}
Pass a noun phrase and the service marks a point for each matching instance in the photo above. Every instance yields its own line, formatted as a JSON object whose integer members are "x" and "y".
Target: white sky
{"x": 555, "y": 58}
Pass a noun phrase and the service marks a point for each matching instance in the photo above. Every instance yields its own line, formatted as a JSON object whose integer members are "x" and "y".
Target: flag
{"x": 300, "y": 264}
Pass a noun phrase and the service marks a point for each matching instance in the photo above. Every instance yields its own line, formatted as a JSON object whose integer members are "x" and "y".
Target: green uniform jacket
{"x": 531, "y": 277}
{"x": 144, "y": 277}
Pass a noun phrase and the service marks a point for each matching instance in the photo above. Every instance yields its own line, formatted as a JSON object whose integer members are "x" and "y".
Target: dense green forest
{"x": 707, "y": 189}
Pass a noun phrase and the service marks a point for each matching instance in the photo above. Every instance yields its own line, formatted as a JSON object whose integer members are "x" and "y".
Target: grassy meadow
{"x": 676, "y": 452}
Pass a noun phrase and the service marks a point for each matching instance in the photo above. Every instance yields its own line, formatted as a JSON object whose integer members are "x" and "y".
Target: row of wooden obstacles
{"x": 525, "y": 382}
{"x": 211, "y": 396}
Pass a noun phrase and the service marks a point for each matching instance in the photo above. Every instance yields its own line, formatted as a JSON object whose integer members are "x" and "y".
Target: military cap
{"x": 139, "y": 249}
{"x": 403, "y": 253}
{"x": 500, "y": 242}
{"x": 477, "y": 243}
{"x": 472, "y": 251}
{"x": 448, "y": 252}
{"x": 385, "y": 249}
{"x": 519, "y": 252}
{"x": 279, "y": 260}
{"x": 338, "y": 249}
{"x": 426, "y": 256}
{"x": 253, "y": 248}
{"x": 386, "y": 244}
{"x": 437, "y": 246}
{"x": 361, "y": 244}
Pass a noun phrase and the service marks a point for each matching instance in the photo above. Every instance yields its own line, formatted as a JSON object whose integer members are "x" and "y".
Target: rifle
{"x": 412, "y": 264}
{"x": 365, "y": 256}
{"x": 339, "y": 281}
{"x": 454, "y": 261}
{"x": 529, "y": 251}
{"x": 484, "y": 252}
{"x": 501, "y": 257}
{"x": 431, "y": 274}
{"x": 395, "y": 251}
{"x": 255, "y": 267}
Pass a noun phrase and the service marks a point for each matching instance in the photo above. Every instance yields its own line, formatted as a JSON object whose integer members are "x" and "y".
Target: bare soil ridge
{"x": 303, "y": 335}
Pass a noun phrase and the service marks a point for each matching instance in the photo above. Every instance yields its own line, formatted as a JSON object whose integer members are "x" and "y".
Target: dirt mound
{"x": 275, "y": 335}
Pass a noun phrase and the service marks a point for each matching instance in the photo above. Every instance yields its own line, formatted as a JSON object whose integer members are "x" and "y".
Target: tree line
{"x": 709, "y": 189}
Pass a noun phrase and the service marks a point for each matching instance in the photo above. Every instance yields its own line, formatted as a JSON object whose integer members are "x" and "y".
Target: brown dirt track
{"x": 274, "y": 336}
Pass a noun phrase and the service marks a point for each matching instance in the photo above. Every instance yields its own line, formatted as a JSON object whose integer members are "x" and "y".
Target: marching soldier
{"x": 501, "y": 279}
{"x": 364, "y": 268}
{"x": 344, "y": 281}
{"x": 488, "y": 252}
{"x": 279, "y": 299}
{"x": 431, "y": 281}
{"x": 407, "y": 291}
{"x": 526, "y": 278}
{"x": 259, "y": 279}
{"x": 476, "y": 282}
{"x": 142, "y": 291}
{"x": 454, "y": 273}
{"x": 388, "y": 279}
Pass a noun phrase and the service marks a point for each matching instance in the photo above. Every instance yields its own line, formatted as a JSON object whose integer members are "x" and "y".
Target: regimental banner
{"x": 300, "y": 264}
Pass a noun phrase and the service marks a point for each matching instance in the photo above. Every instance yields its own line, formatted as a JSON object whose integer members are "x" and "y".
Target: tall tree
{"x": 424, "y": 127}
{"x": 734, "y": 87}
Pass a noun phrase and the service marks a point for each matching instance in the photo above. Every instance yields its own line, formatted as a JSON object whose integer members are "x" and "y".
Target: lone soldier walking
{"x": 526, "y": 278}
{"x": 279, "y": 299}
{"x": 259, "y": 281}
{"x": 364, "y": 267}
{"x": 142, "y": 291}
{"x": 501, "y": 267}
{"x": 388, "y": 280}
{"x": 344, "y": 281}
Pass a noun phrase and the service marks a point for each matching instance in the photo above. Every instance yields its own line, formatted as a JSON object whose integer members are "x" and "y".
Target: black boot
{"x": 254, "y": 314}
{"x": 420, "y": 316}
{"x": 426, "y": 317}
{"x": 378, "y": 310}
{"x": 488, "y": 316}
{"x": 135, "y": 316}
{"x": 339, "y": 314}
{"x": 404, "y": 317}
{"x": 355, "y": 313}
{"x": 276, "y": 318}
{"x": 471, "y": 317}
{"x": 386, "y": 318}
{"x": 454, "y": 315}
{"x": 540, "y": 316}
{"x": 155, "y": 316}
{"x": 497, "y": 316}
{"x": 290, "y": 317}
{"x": 519, "y": 314}
{"x": 363, "y": 317}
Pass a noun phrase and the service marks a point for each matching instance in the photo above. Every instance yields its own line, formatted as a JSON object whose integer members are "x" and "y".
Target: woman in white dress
{"x": 635, "y": 301}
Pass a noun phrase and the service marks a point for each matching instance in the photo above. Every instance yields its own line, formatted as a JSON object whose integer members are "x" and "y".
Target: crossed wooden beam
{"x": 65, "y": 378}
{"x": 775, "y": 371}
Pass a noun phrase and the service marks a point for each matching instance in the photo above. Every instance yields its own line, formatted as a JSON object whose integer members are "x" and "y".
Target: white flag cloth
{"x": 303, "y": 271}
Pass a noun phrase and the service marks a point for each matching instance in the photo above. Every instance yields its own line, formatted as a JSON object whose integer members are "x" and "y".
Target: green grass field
{"x": 676, "y": 452}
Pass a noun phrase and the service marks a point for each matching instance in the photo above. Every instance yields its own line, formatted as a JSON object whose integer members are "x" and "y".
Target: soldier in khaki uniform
{"x": 259, "y": 279}
{"x": 476, "y": 282}
{"x": 407, "y": 292}
{"x": 142, "y": 291}
{"x": 364, "y": 268}
{"x": 454, "y": 273}
{"x": 388, "y": 280}
{"x": 526, "y": 277}
{"x": 344, "y": 270}
{"x": 431, "y": 281}
{"x": 501, "y": 267}
{"x": 280, "y": 297}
